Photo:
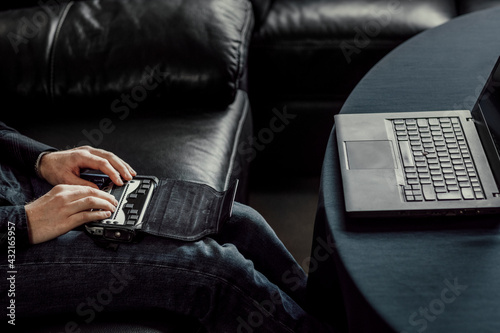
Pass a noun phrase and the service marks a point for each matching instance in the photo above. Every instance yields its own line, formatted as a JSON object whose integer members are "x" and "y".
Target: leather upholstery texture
{"x": 199, "y": 145}
{"x": 326, "y": 41}
{"x": 157, "y": 82}
{"x": 90, "y": 50}
{"x": 261, "y": 9}
{"x": 469, "y": 6}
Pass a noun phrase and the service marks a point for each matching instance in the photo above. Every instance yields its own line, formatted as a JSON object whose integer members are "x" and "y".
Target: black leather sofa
{"x": 158, "y": 82}
{"x": 168, "y": 85}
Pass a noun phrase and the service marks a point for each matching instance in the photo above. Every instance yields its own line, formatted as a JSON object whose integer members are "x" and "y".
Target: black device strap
{"x": 186, "y": 210}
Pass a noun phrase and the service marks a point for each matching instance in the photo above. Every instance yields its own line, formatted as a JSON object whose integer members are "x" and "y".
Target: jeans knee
{"x": 248, "y": 216}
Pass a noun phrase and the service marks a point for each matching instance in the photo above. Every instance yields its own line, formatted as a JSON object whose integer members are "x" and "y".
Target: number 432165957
{"x": 11, "y": 240}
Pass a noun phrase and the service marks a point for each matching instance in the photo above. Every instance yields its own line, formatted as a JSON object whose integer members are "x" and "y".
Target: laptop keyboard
{"x": 436, "y": 160}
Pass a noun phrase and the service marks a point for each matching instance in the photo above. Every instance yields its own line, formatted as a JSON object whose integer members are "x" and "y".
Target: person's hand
{"x": 63, "y": 167}
{"x": 64, "y": 208}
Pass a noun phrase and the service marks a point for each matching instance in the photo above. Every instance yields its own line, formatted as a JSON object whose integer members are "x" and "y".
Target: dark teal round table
{"x": 420, "y": 275}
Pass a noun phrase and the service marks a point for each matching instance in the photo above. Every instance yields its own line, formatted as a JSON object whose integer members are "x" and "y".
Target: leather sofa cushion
{"x": 468, "y": 6}
{"x": 323, "y": 47}
{"x": 324, "y": 20}
{"x": 14, "y": 4}
{"x": 260, "y": 9}
{"x": 199, "y": 145}
{"x": 83, "y": 51}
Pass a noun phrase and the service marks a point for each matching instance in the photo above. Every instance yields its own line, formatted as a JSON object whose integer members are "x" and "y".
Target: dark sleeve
{"x": 20, "y": 151}
{"x": 13, "y": 218}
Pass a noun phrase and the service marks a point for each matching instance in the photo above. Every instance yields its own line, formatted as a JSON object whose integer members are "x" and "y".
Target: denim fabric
{"x": 241, "y": 280}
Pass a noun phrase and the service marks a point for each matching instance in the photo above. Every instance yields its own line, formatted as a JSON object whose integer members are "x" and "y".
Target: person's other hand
{"x": 63, "y": 167}
{"x": 64, "y": 208}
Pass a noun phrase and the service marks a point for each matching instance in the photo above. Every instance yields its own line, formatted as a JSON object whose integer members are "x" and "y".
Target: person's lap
{"x": 242, "y": 277}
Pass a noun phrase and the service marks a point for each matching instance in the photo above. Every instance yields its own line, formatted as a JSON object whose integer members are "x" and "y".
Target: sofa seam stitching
{"x": 236, "y": 141}
{"x": 247, "y": 25}
{"x": 62, "y": 19}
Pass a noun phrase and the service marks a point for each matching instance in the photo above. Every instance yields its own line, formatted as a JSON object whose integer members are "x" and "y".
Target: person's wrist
{"x": 28, "y": 228}
{"x": 39, "y": 164}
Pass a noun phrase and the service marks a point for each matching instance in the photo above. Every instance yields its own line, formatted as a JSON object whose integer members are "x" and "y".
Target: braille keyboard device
{"x": 169, "y": 208}
{"x": 133, "y": 199}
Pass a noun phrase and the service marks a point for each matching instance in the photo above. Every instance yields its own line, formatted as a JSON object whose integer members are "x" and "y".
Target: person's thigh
{"x": 257, "y": 241}
{"x": 210, "y": 280}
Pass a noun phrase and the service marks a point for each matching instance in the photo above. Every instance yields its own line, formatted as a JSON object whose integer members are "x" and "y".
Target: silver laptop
{"x": 428, "y": 163}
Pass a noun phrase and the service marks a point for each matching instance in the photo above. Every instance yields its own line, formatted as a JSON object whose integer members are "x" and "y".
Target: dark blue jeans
{"x": 241, "y": 280}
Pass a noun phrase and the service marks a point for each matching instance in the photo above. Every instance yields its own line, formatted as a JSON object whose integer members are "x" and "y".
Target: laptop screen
{"x": 486, "y": 115}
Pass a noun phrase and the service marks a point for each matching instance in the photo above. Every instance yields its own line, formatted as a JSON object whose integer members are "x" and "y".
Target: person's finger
{"x": 122, "y": 167}
{"x": 105, "y": 196}
{"x": 77, "y": 192}
{"x": 95, "y": 162}
{"x": 75, "y": 180}
{"x": 88, "y": 216}
{"x": 88, "y": 204}
{"x": 132, "y": 171}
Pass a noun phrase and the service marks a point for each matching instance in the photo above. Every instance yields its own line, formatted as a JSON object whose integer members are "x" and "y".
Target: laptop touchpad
{"x": 370, "y": 154}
